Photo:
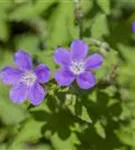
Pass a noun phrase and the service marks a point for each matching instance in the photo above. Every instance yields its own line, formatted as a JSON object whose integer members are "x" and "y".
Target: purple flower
{"x": 75, "y": 65}
{"x": 133, "y": 27}
{"x": 26, "y": 80}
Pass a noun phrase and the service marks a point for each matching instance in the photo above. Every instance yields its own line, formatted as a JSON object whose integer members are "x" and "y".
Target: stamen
{"x": 28, "y": 78}
{"x": 77, "y": 67}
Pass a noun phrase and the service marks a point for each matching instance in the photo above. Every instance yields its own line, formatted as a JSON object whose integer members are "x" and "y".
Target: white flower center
{"x": 29, "y": 78}
{"x": 77, "y": 67}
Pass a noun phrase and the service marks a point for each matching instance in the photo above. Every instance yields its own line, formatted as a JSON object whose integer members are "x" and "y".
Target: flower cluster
{"x": 27, "y": 81}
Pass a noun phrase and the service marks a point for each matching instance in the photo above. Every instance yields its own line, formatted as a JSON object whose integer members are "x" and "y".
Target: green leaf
{"x": 58, "y": 24}
{"x": 69, "y": 143}
{"x": 3, "y": 146}
{"x": 6, "y": 58}
{"x": 83, "y": 112}
{"x": 99, "y": 27}
{"x": 30, "y": 132}
{"x": 104, "y": 5}
{"x": 127, "y": 134}
{"x": 86, "y": 5}
{"x": 27, "y": 42}
{"x": 29, "y": 11}
{"x": 100, "y": 130}
{"x": 4, "y": 30}
{"x": 43, "y": 146}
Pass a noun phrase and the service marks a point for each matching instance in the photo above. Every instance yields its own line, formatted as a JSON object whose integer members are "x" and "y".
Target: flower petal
{"x": 43, "y": 73}
{"x": 86, "y": 80}
{"x": 36, "y": 94}
{"x": 64, "y": 77}
{"x": 23, "y": 60}
{"x": 19, "y": 93}
{"x": 10, "y": 75}
{"x": 79, "y": 49}
{"x": 93, "y": 62}
{"x": 62, "y": 56}
{"x": 133, "y": 27}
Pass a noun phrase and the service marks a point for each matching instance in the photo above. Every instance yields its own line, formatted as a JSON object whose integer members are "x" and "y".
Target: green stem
{"x": 79, "y": 15}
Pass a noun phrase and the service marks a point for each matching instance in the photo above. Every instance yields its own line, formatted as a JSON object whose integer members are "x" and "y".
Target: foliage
{"x": 101, "y": 118}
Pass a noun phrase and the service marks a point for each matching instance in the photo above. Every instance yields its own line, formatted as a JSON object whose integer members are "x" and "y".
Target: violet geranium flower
{"x": 26, "y": 80}
{"x": 133, "y": 26}
{"x": 75, "y": 65}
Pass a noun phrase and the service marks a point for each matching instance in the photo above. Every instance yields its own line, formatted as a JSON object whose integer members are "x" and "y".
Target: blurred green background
{"x": 102, "y": 118}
